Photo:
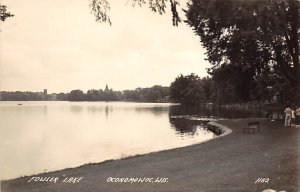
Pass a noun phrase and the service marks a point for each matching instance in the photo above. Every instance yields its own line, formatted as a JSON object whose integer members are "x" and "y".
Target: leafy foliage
{"x": 259, "y": 37}
{"x": 101, "y": 8}
{"x": 4, "y": 14}
{"x": 190, "y": 89}
{"x": 21, "y": 96}
{"x": 76, "y": 95}
{"x": 156, "y": 93}
{"x": 232, "y": 84}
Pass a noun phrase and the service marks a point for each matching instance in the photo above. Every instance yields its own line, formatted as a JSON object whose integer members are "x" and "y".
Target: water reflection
{"x": 45, "y": 110}
{"x": 76, "y": 108}
{"x": 183, "y": 126}
{"x": 157, "y": 111}
{"x": 216, "y": 112}
{"x": 188, "y": 120}
{"x": 108, "y": 109}
{"x": 95, "y": 109}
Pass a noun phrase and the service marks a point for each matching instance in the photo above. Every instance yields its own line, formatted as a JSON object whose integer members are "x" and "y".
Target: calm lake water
{"x": 44, "y": 136}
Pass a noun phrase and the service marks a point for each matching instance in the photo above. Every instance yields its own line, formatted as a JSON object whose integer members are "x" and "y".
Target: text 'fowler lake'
{"x": 46, "y": 136}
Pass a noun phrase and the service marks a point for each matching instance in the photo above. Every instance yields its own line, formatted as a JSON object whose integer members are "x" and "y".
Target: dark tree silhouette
{"x": 4, "y": 14}
{"x": 76, "y": 95}
{"x": 261, "y": 36}
{"x": 101, "y": 8}
{"x": 190, "y": 89}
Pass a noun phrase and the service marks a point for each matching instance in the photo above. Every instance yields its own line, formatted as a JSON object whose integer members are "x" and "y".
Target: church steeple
{"x": 106, "y": 88}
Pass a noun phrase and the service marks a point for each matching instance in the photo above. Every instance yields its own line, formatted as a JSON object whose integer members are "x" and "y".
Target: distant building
{"x": 45, "y": 92}
{"x": 106, "y": 88}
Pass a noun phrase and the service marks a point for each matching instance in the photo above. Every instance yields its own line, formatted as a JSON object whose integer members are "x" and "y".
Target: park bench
{"x": 252, "y": 127}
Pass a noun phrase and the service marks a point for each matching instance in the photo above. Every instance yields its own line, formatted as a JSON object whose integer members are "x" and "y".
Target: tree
{"x": 194, "y": 93}
{"x": 262, "y": 37}
{"x": 232, "y": 83}
{"x": 189, "y": 89}
{"x": 100, "y": 9}
{"x": 177, "y": 87}
{"x": 76, "y": 95}
{"x": 62, "y": 96}
{"x": 93, "y": 95}
{"x": 4, "y": 14}
{"x": 156, "y": 93}
{"x": 207, "y": 88}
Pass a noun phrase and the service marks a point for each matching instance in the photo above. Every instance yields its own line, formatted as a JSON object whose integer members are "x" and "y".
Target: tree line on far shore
{"x": 156, "y": 93}
{"x": 185, "y": 89}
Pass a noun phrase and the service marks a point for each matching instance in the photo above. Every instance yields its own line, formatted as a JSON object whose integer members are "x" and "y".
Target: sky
{"x": 58, "y": 45}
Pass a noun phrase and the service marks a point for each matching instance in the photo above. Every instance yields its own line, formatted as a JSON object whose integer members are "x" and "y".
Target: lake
{"x": 38, "y": 137}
